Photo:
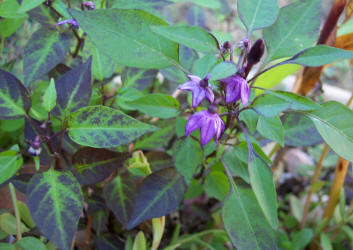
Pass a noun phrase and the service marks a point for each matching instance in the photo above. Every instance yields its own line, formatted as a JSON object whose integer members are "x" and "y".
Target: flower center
{"x": 204, "y": 83}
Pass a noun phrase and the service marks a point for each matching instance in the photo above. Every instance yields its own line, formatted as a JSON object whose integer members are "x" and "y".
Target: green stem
{"x": 17, "y": 212}
{"x": 102, "y": 4}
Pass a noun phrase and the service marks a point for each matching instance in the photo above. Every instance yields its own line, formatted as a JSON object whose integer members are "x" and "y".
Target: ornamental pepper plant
{"x": 166, "y": 124}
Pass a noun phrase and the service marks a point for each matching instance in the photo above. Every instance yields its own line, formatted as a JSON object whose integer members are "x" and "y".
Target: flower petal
{"x": 232, "y": 89}
{"x": 219, "y": 127}
{"x": 194, "y": 78}
{"x": 190, "y": 85}
{"x": 245, "y": 93}
{"x": 208, "y": 130}
{"x": 195, "y": 122}
{"x": 209, "y": 94}
{"x": 198, "y": 94}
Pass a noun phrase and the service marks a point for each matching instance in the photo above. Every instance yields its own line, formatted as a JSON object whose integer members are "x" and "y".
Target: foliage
{"x": 98, "y": 133}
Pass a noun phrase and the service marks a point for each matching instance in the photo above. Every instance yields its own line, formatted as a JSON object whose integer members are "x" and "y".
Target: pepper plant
{"x": 124, "y": 125}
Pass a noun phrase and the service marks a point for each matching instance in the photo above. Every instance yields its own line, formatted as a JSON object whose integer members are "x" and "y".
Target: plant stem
{"x": 314, "y": 179}
{"x": 17, "y": 212}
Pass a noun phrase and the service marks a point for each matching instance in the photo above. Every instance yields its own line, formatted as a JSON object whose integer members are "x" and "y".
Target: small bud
{"x": 245, "y": 45}
{"x": 256, "y": 52}
{"x": 34, "y": 152}
{"x": 89, "y": 5}
{"x": 73, "y": 22}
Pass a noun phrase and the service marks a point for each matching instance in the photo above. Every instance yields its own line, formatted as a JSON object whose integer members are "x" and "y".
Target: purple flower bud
{"x": 73, "y": 22}
{"x": 245, "y": 45}
{"x": 256, "y": 52}
{"x": 200, "y": 89}
{"x": 34, "y": 151}
{"x": 211, "y": 125}
{"x": 236, "y": 87}
{"x": 89, "y": 5}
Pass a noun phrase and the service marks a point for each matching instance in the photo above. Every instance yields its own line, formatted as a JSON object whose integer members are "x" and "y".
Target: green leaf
{"x": 130, "y": 30}
{"x": 74, "y": 90}
{"x": 124, "y": 96}
{"x": 320, "y": 55}
{"x": 139, "y": 79}
{"x": 299, "y": 131}
{"x": 216, "y": 185}
{"x": 8, "y": 224}
{"x": 297, "y": 102}
{"x": 203, "y": 65}
{"x": 262, "y": 183}
{"x": 102, "y": 127}
{"x": 222, "y": 70}
{"x": 190, "y": 36}
{"x": 296, "y": 28}
{"x": 8, "y": 26}
{"x": 187, "y": 156}
{"x": 7, "y": 246}
{"x": 120, "y": 195}
{"x": 296, "y": 207}
{"x": 102, "y": 65}
{"x": 271, "y": 128}
{"x": 55, "y": 201}
{"x": 158, "y": 139}
{"x": 160, "y": 193}
{"x": 25, "y": 214}
{"x": 28, "y": 5}
{"x": 302, "y": 238}
{"x": 14, "y": 97}
{"x": 10, "y": 163}
{"x": 9, "y": 9}
{"x": 257, "y": 14}
{"x": 156, "y": 105}
{"x": 140, "y": 242}
{"x": 269, "y": 105}
{"x": 44, "y": 50}
{"x": 49, "y": 97}
{"x": 47, "y": 17}
{"x": 325, "y": 242}
{"x": 250, "y": 118}
{"x": 235, "y": 165}
{"x": 333, "y": 122}
{"x": 149, "y": 6}
{"x": 245, "y": 223}
{"x": 92, "y": 165}
{"x": 30, "y": 243}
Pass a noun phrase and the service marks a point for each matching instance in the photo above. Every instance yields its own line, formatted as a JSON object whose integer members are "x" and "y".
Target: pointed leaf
{"x": 271, "y": 128}
{"x": 103, "y": 127}
{"x": 136, "y": 78}
{"x": 235, "y": 165}
{"x": 55, "y": 201}
{"x": 14, "y": 98}
{"x": 129, "y": 31}
{"x": 28, "y": 5}
{"x": 257, "y": 14}
{"x": 333, "y": 122}
{"x": 296, "y": 28}
{"x": 49, "y": 97}
{"x": 187, "y": 156}
{"x": 190, "y": 36}
{"x": 216, "y": 185}
{"x": 262, "y": 183}
{"x": 245, "y": 223}
{"x": 300, "y": 131}
{"x": 44, "y": 50}
{"x": 10, "y": 163}
{"x": 269, "y": 106}
{"x": 222, "y": 70}
{"x": 160, "y": 193}
{"x": 30, "y": 242}
{"x": 92, "y": 165}
{"x": 156, "y": 105}
{"x": 73, "y": 89}
{"x": 320, "y": 55}
{"x": 120, "y": 195}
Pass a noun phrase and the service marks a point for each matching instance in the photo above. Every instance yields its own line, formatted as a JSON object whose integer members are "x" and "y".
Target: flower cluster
{"x": 235, "y": 88}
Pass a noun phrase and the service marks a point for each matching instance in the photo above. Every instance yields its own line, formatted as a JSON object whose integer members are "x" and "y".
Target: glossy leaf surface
{"x": 55, "y": 201}
{"x": 160, "y": 193}
{"x": 130, "y": 29}
{"x": 45, "y": 49}
{"x": 101, "y": 127}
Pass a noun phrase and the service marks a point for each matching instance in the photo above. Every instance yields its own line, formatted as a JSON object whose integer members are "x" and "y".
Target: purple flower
{"x": 209, "y": 122}
{"x": 200, "y": 89}
{"x": 236, "y": 88}
{"x": 73, "y": 22}
{"x": 89, "y": 5}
